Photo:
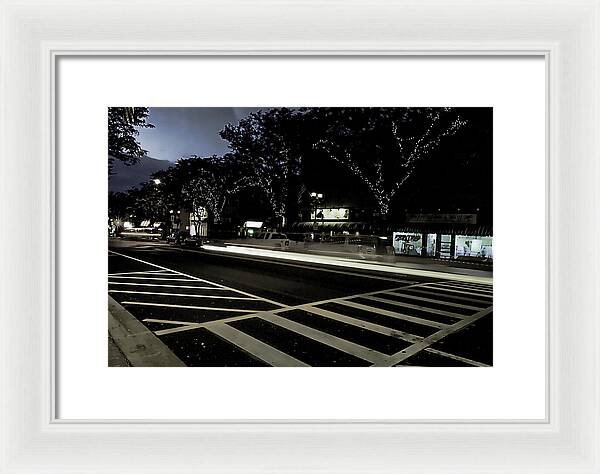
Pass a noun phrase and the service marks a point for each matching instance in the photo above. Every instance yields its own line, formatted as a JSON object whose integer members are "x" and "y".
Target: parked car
{"x": 271, "y": 239}
{"x": 178, "y": 237}
{"x": 192, "y": 241}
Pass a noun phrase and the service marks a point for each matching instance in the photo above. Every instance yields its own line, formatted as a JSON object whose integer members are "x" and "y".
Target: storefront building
{"x": 458, "y": 236}
{"x": 445, "y": 236}
{"x": 188, "y": 221}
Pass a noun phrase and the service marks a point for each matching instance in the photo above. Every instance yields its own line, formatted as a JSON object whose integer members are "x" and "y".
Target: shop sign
{"x": 442, "y": 218}
{"x": 253, "y": 224}
{"x": 331, "y": 214}
{"x": 406, "y": 243}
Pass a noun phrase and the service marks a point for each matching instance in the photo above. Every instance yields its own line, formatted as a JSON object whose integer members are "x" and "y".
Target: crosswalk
{"x": 405, "y": 325}
{"x": 409, "y": 314}
{"x": 161, "y": 292}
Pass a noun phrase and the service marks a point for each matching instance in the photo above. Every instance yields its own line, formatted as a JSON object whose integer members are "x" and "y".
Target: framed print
{"x": 332, "y": 186}
{"x": 358, "y": 282}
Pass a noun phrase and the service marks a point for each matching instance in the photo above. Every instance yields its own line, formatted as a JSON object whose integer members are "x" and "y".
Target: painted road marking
{"x": 342, "y": 298}
{"x": 485, "y": 286}
{"x": 435, "y": 337}
{"x": 450, "y": 290}
{"x": 482, "y": 286}
{"x": 198, "y": 279}
{"x": 147, "y": 272}
{"x": 431, "y": 292}
{"x": 364, "y": 324}
{"x": 414, "y": 319}
{"x": 313, "y": 307}
{"x": 304, "y": 306}
{"x": 216, "y": 288}
{"x": 169, "y": 321}
{"x": 185, "y": 294}
{"x": 273, "y": 356}
{"x": 370, "y": 355}
{"x": 149, "y": 278}
{"x": 431, "y": 300}
{"x": 164, "y": 305}
{"x": 205, "y": 324}
{"x": 455, "y": 357}
{"x": 257, "y": 348}
{"x": 414, "y": 306}
{"x": 460, "y": 286}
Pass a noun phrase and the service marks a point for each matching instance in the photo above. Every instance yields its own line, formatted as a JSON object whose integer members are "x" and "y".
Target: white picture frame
{"x": 35, "y": 34}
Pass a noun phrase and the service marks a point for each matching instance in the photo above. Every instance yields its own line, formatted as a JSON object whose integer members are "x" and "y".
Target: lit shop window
{"x": 473, "y": 246}
{"x": 431, "y": 240}
{"x": 445, "y": 245}
{"x": 406, "y": 243}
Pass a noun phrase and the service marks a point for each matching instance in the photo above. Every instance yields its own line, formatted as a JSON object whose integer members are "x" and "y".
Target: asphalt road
{"x": 216, "y": 309}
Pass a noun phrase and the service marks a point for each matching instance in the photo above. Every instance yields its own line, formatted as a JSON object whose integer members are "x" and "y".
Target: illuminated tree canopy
{"x": 213, "y": 181}
{"x": 381, "y": 146}
{"x": 277, "y": 154}
{"x": 269, "y": 145}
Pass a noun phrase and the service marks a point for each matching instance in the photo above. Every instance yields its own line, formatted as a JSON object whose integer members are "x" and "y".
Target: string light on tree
{"x": 416, "y": 133}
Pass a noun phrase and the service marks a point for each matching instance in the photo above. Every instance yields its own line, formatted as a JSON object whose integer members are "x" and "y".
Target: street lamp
{"x": 156, "y": 181}
{"x": 315, "y": 198}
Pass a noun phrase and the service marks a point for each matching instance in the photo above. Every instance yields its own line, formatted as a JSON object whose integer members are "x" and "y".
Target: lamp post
{"x": 316, "y": 198}
{"x": 159, "y": 208}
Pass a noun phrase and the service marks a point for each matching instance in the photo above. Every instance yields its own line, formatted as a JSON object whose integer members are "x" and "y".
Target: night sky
{"x": 181, "y": 131}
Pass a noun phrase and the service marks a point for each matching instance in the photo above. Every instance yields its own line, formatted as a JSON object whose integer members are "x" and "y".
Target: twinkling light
{"x": 385, "y": 175}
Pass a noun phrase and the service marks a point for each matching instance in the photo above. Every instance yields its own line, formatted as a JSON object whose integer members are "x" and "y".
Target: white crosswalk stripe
{"x": 264, "y": 351}
{"x": 162, "y": 289}
{"x": 434, "y": 310}
{"x": 257, "y": 348}
{"x": 393, "y": 314}
{"x": 414, "y": 306}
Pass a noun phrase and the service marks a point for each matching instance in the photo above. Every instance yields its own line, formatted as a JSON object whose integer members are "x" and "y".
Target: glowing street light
{"x": 156, "y": 181}
{"x": 316, "y": 199}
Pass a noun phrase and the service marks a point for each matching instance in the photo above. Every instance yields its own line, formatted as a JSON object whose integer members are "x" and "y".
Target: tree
{"x": 123, "y": 132}
{"x": 381, "y": 146}
{"x": 213, "y": 180}
{"x": 267, "y": 144}
{"x": 148, "y": 201}
{"x": 120, "y": 207}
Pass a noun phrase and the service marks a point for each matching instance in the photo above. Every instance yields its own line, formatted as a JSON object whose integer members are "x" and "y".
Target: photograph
{"x": 300, "y": 236}
{"x": 203, "y": 198}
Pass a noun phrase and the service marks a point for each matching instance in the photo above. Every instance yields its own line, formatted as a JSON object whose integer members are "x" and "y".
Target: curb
{"x": 138, "y": 344}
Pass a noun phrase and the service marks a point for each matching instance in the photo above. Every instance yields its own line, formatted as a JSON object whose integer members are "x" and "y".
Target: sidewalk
{"x": 115, "y": 357}
{"x": 131, "y": 344}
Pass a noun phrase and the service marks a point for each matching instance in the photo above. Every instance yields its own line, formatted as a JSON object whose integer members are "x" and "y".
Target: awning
{"x": 421, "y": 228}
{"x": 335, "y": 226}
{"x": 457, "y": 229}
